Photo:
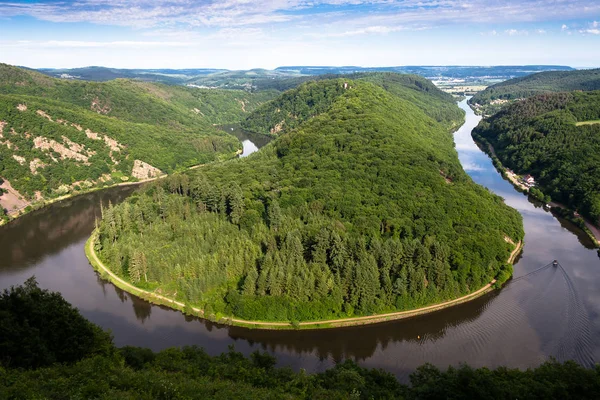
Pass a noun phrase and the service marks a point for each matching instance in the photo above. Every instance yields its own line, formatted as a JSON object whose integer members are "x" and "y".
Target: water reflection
{"x": 543, "y": 315}
{"x": 26, "y": 241}
{"x": 251, "y": 141}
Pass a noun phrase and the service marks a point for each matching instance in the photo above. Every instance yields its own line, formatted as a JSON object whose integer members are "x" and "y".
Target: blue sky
{"x": 241, "y": 34}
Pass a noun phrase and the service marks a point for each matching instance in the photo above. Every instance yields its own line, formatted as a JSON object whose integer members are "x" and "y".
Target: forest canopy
{"x": 492, "y": 98}
{"x": 556, "y": 139}
{"x": 359, "y": 207}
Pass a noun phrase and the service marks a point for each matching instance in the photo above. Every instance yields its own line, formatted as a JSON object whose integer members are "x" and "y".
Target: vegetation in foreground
{"x": 48, "y": 350}
{"x": 541, "y": 136}
{"x": 362, "y": 208}
{"x": 492, "y": 99}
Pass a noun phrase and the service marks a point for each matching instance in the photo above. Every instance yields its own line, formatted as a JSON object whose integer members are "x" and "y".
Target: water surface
{"x": 545, "y": 314}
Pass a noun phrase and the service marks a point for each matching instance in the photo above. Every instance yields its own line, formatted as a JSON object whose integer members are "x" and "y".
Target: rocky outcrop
{"x": 47, "y": 144}
{"x": 142, "y": 170}
{"x": 22, "y": 107}
{"x": 35, "y": 164}
{"x": 43, "y": 114}
{"x": 20, "y": 160}
{"x": 112, "y": 144}
{"x": 99, "y": 107}
{"x": 277, "y": 128}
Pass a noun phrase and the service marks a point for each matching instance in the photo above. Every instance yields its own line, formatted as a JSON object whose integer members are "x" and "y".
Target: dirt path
{"x": 12, "y": 201}
{"x": 594, "y": 229}
{"x": 371, "y": 319}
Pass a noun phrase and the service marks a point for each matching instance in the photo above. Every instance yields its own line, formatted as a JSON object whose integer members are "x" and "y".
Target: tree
{"x": 275, "y": 215}
{"x": 249, "y": 287}
{"x": 235, "y": 203}
{"x": 39, "y": 328}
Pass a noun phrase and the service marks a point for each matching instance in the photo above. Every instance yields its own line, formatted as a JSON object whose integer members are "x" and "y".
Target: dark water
{"x": 549, "y": 313}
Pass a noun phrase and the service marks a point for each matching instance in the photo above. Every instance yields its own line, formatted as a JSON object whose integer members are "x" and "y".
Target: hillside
{"x": 556, "y": 139}
{"x": 362, "y": 208}
{"x": 494, "y": 97}
{"x": 58, "y": 136}
{"x": 294, "y": 107}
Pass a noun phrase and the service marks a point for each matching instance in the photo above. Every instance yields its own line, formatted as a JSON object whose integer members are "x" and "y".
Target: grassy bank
{"x": 562, "y": 210}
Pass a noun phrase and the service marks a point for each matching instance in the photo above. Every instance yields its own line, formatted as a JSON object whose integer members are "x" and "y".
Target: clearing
{"x": 12, "y": 201}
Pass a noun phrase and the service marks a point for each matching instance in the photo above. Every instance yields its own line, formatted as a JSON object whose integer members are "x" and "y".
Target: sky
{"x": 244, "y": 34}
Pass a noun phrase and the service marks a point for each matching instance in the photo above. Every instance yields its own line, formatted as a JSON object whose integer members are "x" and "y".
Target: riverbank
{"x": 155, "y": 298}
{"x": 589, "y": 228}
{"x": 44, "y": 203}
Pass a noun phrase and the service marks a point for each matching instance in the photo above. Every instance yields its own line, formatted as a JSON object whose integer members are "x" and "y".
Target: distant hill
{"x": 491, "y": 99}
{"x": 171, "y": 76}
{"x": 556, "y": 138}
{"x": 263, "y": 79}
{"x": 60, "y": 135}
{"x": 448, "y": 71}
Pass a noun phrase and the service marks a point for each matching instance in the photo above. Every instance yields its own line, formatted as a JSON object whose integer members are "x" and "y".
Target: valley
{"x": 61, "y": 138}
{"x": 49, "y": 243}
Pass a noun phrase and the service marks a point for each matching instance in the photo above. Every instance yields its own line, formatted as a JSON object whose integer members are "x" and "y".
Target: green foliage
{"x": 316, "y": 96}
{"x": 551, "y": 380}
{"x": 363, "y": 208}
{"x": 539, "y": 136}
{"x": 190, "y": 373}
{"x": 169, "y": 127}
{"x": 39, "y": 328}
{"x": 535, "y": 84}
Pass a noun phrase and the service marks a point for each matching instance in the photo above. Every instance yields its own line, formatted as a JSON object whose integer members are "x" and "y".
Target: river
{"x": 549, "y": 313}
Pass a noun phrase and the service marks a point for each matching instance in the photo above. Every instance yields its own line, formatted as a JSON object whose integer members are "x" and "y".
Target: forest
{"x": 531, "y": 85}
{"x": 546, "y": 136}
{"x": 60, "y": 135}
{"x": 292, "y": 108}
{"x": 361, "y": 208}
{"x": 48, "y": 350}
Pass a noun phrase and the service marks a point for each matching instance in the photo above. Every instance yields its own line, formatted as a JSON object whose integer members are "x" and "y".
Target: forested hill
{"x": 57, "y": 136}
{"x": 555, "y": 138}
{"x": 311, "y": 98}
{"x": 137, "y": 101}
{"x": 491, "y": 99}
{"x": 362, "y": 208}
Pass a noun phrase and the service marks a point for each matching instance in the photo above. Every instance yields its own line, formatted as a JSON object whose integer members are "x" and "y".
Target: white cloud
{"x": 490, "y": 33}
{"x": 93, "y": 44}
{"x": 540, "y": 31}
{"x": 379, "y": 29}
{"x": 515, "y": 32}
{"x": 564, "y": 28}
{"x": 592, "y": 29}
{"x": 230, "y": 13}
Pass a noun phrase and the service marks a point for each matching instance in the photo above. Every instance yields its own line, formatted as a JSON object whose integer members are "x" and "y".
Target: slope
{"x": 491, "y": 99}
{"x": 362, "y": 208}
{"x": 311, "y": 98}
{"x": 546, "y": 136}
{"x": 59, "y": 136}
